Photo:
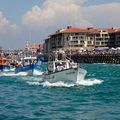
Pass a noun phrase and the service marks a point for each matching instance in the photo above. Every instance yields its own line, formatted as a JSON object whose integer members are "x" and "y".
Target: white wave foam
{"x": 100, "y": 63}
{"x": 56, "y": 84}
{"x": 22, "y": 74}
{"x": 37, "y": 72}
{"x": 13, "y": 74}
{"x": 31, "y": 78}
{"x": 89, "y": 82}
{"x": 92, "y": 75}
{"x": 34, "y": 83}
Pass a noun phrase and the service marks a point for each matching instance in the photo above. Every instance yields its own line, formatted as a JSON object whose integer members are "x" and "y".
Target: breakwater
{"x": 97, "y": 58}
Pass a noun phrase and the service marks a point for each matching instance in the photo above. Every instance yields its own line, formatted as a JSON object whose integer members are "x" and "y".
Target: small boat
{"x": 64, "y": 70}
{"x": 4, "y": 64}
{"x": 28, "y": 65}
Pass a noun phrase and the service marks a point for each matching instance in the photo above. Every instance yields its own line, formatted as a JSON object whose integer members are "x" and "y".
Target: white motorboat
{"x": 63, "y": 70}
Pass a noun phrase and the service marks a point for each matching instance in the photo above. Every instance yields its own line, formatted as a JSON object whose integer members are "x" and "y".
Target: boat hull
{"x": 4, "y": 67}
{"x": 68, "y": 76}
{"x": 29, "y": 69}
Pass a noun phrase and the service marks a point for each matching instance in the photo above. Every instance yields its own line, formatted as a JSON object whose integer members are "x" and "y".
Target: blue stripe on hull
{"x": 27, "y": 68}
{"x": 3, "y": 67}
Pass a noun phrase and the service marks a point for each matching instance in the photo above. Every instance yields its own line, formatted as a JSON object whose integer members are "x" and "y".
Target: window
{"x": 91, "y": 38}
{"x": 97, "y": 43}
{"x": 81, "y": 37}
{"x": 76, "y": 33}
{"x": 102, "y": 43}
{"x": 97, "y": 35}
{"x": 98, "y": 39}
{"x": 81, "y": 41}
{"x": 89, "y": 42}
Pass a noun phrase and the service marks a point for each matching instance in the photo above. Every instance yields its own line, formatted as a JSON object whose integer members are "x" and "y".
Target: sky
{"x": 34, "y": 20}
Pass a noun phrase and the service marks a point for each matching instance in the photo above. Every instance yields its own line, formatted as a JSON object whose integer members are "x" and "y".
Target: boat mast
{"x": 70, "y": 45}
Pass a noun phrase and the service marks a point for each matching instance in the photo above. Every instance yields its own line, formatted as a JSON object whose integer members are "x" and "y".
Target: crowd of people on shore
{"x": 111, "y": 51}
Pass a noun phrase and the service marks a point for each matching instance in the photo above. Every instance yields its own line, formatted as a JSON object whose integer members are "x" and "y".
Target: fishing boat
{"x": 29, "y": 65}
{"x": 63, "y": 69}
{"x": 4, "y": 64}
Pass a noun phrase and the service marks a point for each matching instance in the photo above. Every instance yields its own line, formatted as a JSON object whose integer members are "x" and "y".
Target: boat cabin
{"x": 59, "y": 62}
{"x": 58, "y": 66}
{"x": 54, "y": 66}
{"x": 28, "y": 60}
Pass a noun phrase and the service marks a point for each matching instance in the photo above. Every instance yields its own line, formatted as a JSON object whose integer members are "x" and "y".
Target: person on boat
{"x": 73, "y": 64}
{"x": 17, "y": 65}
{"x": 60, "y": 66}
{"x": 64, "y": 66}
{"x": 50, "y": 68}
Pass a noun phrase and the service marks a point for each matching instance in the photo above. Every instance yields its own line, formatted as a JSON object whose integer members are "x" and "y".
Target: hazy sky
{"x": 34, "y": 20}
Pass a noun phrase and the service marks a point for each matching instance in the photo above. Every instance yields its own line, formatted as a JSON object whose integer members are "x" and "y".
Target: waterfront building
{"x": 31, "y": 47}
{"x": 103, "y": 37}
{"x": 72, "y": 38}
{"x": 66, "y": 39}
{"x": 41, "y": 47}
{"x": 117, "y": 38}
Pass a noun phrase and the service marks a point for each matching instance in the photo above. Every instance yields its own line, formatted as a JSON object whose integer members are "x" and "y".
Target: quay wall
{"x": 100, "y": 58}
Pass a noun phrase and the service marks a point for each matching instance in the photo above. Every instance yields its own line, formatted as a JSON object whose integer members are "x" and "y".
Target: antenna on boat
{"x": 71, "y": 37}
{"x": 27, "y": 45}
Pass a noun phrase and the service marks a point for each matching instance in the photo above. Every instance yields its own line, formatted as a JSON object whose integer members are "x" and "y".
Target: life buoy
{"x": 50, "y": 58}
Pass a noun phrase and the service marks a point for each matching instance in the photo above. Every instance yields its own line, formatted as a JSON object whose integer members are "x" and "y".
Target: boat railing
{"x": 69, "y": 58}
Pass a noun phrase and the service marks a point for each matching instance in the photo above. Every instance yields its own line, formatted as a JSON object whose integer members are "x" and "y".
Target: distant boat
{"x": 28, "y": 65}
{"x": 4, "y": 65}
{"x": 63, "y": 70}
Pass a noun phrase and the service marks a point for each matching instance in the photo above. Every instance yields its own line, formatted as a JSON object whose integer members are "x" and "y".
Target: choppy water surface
{"x": 97, "y": 97}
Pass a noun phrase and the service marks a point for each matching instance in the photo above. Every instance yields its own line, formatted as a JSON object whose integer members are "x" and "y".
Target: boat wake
{"x": 57, "y": 84}
{"x": 34, "y": 83}
{"x": 48, "y": 84}
{"x": 37, "y": 80}
{"x": 31, "y": 79}
{"x": 87, "y": 82}
{"x": 35, "y": 73}
{"x": 13, "y": 74}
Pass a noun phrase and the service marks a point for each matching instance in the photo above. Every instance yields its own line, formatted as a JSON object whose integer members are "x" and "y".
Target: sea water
{"x": 96, "y": 97}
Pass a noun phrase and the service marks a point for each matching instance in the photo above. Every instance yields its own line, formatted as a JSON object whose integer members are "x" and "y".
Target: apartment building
{"x": 72, "y": 38}
{"x": 117, "y": 38}
{"x": 66, "y": 39}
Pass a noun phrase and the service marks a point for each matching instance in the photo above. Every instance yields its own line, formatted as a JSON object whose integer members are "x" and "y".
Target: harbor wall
{"x": 100, "y": 58}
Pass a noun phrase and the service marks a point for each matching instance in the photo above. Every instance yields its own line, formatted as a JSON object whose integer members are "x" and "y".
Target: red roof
{"x": 96, "y": 30}
{"x": 73, "y": 30}
{"x": 111, "y": 29}
{"x": 41, "y": 46}
{"x": 87, "y": 30}
{"x": 118, "y": 30}
{"x": 33, "y": 46}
